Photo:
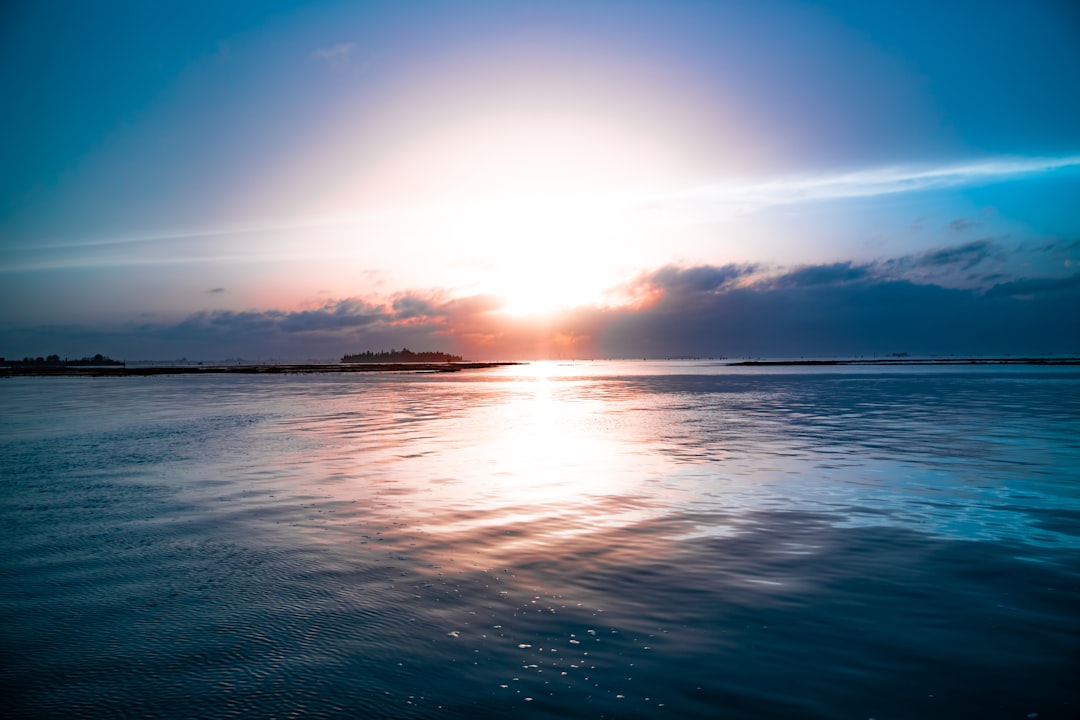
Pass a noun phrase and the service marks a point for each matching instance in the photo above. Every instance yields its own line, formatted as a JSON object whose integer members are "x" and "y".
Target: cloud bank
{"x": 951, "y": 300}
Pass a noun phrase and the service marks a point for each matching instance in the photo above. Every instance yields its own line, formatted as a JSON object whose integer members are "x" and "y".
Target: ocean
{"x": 551, "y": 540}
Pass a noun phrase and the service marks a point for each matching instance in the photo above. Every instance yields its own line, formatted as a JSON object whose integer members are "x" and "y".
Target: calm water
{"x": 596, "y": 540}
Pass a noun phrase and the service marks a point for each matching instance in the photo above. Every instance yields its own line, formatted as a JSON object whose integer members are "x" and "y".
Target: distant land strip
{"x": 405, "y": 355}
{"x": 912, "y": 361}
{"x": 253, "y": 369}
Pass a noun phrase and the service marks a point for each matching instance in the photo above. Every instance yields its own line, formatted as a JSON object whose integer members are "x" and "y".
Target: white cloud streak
{"x": 705, "y": 203}
{"x": 734, "y": 197}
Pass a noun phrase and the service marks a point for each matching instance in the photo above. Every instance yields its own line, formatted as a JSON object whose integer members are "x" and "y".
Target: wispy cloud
{"x": 960, "y": 225}
{"x": 703, "y": 203}
{"x": 731, "y": 197}
{"x": 336, "y": 55}
{"x": 734, "y": 196}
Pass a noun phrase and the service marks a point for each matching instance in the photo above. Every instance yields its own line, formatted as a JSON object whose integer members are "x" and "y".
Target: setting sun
{"x": 550, "y": 253}
{"x": 526, "y": 206}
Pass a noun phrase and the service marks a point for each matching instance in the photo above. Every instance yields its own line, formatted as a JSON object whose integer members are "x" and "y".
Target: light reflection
{"x": 495, "y": 531}
{"x": 620, "y": 460}
{"x": 518, "y": 467}
{"x": 546, "y": 472}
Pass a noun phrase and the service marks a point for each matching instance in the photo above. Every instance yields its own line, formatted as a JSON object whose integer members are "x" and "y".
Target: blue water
{"x": 621, "y": 540}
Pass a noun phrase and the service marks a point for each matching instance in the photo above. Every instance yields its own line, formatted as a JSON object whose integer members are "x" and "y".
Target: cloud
{"x": 975, "y": 264}
{"x": 923, "y": 303}
{"x": 1029, "y": 287}
{"x": 673, "y": 281}
{"x": 215, "y": 291}
{"x": 832, "y": 274}
{"x": 1053, "y": 245}
{"x": 843, "y": 313}
{"x": 960, "y": 225}
{"x": 278, "y": 240}
{"x": 411, "y": 306}
{"x": 1053, "y": 252}
{"x": 965, "y": 256}
{"x": 733, "y": 197}
{"x": 946, "y": 266}
{"x": 705, "y": 278}
{"x": 336, "y": 55}
{"x": 344, "y": 315}
{"x": 929, "y": 302}
{"x": 226, "y": 324}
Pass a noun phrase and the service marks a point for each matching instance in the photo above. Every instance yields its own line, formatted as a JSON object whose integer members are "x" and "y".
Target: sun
{"x": 546, "y": 253}
{"x": 537, "y": 296}
{"x": 528, "y": 206}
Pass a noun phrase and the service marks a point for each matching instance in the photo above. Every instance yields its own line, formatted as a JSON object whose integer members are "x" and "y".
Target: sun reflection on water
{"x": 559, "y": 459}
{"x": 528, "y": 464}
{"x": 545, "y": 470}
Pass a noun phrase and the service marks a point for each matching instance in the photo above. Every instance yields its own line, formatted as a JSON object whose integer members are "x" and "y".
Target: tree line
{"x": 55, "y": 361}
{"x": 399, "y": 356}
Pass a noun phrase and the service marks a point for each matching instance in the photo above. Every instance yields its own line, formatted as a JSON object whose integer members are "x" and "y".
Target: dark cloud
{"x": 955, "y": 300}
{"x": 215, "y": 291}
{"x": 959, "y": 225}
{"x": 812, "y": 275}
{"x": 947, "y": 266}
{"x": 701, "y": 279}
{"x": 676, "y": 285}
{"x": 411, "y": 306}
{"x": 870, "y": 316}
{"x": 965, "y": 256}
{"x": 1048, "y": 254}
{"x": 322, "y": 320}
{"x": 1052, "y": 245}
{"x": 1028, "y": 287}
{"x": 259, "y": 325}
{"x": 225, "y": 323}
{"x": 946, "y": 300}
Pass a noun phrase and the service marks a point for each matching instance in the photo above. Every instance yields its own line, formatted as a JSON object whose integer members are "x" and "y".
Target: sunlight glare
{"x": 534, "y": 203}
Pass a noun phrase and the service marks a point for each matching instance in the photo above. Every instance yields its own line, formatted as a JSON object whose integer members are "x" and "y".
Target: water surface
{"x": 552, "y": 540}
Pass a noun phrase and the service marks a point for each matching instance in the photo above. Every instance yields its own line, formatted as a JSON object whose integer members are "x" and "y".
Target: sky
{"x": 525, "y": 180}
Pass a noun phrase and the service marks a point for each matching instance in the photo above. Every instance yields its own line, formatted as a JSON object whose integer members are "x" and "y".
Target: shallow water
{"x": 581, "y": 540}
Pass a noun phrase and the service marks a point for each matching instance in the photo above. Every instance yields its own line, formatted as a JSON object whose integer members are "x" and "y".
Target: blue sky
{"x": 519, "y": 179}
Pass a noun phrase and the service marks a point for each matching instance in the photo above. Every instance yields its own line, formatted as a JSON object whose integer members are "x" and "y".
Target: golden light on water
{"x": 519, "y": 485}
{"x": 543, "y": 469}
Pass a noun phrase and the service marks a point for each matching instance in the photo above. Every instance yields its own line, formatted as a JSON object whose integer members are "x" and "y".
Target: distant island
{"x": 54, "y": 361}
{"x": 400, "y": 356}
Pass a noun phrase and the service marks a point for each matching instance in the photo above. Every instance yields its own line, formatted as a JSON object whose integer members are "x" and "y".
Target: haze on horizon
{"x": 517, "y": 180}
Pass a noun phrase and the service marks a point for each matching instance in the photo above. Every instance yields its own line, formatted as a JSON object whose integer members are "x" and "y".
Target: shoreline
{"x": 912, "y": 361}
{"x": 430, "y": 368}
{"x": 254, "y": 369}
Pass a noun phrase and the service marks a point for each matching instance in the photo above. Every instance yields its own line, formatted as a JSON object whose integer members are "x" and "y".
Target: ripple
{"x": 613, "y": 541}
